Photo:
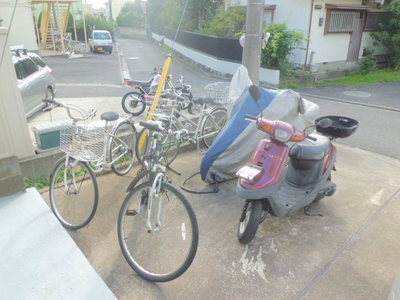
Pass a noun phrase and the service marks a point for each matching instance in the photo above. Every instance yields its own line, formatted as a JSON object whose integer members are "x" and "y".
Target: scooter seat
{"x": 137, "y": 82}
{"x": 310, "y": 150}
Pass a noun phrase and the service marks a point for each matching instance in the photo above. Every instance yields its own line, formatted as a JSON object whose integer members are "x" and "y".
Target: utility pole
{"x": 252, "y": 45}
{"x": 110, "y": 9}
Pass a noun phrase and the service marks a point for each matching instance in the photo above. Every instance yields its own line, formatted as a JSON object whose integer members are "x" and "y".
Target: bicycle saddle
{"x": 152, "y": 125}
{"x": 109, "y": 116}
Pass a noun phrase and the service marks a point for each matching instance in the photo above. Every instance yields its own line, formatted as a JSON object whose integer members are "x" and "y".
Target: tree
{"x": 389, "y": 34}
{"x": 131, "y": 15}
{"x": 280, "y": 44}
{"x": 98, "y": 22}
{"x": 229, "y": 23}
{"x": 168, "y": 13}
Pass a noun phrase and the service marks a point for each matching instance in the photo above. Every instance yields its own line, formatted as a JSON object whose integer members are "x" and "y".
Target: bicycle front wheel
{"x": 133, "y": 103}
{"x": 122, "y": 147}
{"x": 73, "y": 193}
{"x": 213, "y": 124}
{"x": 167, "y": 249}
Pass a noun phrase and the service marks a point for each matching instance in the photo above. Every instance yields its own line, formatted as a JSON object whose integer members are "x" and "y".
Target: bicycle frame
{"x": 195, "y": 136}
{"x": 105, "y": 162}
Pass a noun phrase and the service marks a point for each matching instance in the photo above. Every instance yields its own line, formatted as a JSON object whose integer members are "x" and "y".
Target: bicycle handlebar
{"x": 91, "y": 113}
{"x": 250, "y": 117}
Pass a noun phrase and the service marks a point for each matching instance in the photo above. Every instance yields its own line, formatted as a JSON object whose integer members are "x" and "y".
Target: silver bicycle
{"x": 90, "y": 147}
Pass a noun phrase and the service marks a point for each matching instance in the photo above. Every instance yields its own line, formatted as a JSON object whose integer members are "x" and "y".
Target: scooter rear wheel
{"x": 249, "y": 221}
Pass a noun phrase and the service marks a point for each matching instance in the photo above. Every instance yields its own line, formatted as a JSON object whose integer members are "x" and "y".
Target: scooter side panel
{"x": 272, "y": 157}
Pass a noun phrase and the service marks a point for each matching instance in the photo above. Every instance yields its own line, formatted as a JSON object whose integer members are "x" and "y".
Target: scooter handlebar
{"x": 250, "y": 117}
{"x": 312, "y": 138}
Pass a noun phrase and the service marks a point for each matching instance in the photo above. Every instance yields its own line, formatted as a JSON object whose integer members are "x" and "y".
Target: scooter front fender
{"x": 272, "y": 158}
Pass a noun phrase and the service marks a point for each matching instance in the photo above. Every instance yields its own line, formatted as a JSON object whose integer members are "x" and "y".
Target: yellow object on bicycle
{"x": 160, "y": 87}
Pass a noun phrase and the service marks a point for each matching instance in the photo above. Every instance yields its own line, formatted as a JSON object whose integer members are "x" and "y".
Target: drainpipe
{"x": 309, "y": 34}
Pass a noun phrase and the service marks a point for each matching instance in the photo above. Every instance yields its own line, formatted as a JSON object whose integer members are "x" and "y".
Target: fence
{"x": 221, "y": 48}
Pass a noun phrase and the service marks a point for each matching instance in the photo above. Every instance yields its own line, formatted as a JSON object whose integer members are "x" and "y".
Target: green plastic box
{"x": 47, "y": 134}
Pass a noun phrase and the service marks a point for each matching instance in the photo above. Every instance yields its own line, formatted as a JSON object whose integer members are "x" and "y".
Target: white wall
{"x": 22, "y": 30}
{"x": 333, "y": 47}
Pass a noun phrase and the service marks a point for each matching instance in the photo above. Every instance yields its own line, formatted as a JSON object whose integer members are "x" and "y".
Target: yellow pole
{"x": 160, "y": 87}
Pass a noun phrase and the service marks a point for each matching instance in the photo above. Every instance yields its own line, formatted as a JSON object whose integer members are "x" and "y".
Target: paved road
{"x": 99, "y": 76}
{"x": 378, "y": 129}
{"x": 142, "y": 56}
{"x": 383, "y": 94}
{"x": 96, "y": 76}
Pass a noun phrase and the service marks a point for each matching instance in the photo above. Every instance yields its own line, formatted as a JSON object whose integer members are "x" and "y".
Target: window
{"x": 19, "y": 70}
{"x": 28, "y": 66}
{"x": 101, "y": 36}
{"x": 341, "y": 21}
{"x": 373, "y": 19}
{"x": 38, "y": 61}
{"x": 268, "y": 16}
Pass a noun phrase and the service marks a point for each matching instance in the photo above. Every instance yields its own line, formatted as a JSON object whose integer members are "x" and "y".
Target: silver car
{"x": 35, "y": 80}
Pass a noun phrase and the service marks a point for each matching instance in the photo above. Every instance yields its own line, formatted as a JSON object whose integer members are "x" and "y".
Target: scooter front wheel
{"x": 249, "y": 221}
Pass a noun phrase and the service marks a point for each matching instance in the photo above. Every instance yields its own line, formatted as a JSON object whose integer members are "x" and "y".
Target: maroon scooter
{"x": 279, "y": 179}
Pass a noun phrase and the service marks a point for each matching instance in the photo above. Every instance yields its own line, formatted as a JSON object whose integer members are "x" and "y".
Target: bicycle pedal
{"x": 131, "y": 212}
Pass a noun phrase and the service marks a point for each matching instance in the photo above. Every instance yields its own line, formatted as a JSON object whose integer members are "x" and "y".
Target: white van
{"x": 100, "y": 40}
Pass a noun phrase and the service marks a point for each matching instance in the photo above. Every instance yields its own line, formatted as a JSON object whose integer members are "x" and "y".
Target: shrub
{"x": 367, "y": 62}
{"x": 389, "y": 34}
{"x": 229, "y": 23}
{"x": 281, "y": 43}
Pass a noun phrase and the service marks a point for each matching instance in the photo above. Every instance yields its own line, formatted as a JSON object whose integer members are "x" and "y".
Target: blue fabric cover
{"x": 235, "y": 126}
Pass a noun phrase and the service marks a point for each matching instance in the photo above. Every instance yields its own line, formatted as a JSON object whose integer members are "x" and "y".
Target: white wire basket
{"x": 165, "y": 107}
{"x": 219, "y": 91}
{"x": 83, "y": 142}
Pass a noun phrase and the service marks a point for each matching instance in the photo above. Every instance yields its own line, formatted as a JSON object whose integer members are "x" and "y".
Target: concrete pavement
{"x": 349, "y": 253}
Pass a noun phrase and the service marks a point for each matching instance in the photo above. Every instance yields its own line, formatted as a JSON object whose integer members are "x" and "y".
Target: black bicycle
{"x": 157, "y": 227}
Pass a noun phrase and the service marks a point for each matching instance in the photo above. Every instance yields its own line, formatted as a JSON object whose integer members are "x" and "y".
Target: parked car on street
{"x": 101, "y": 40}
{"x": 35, "y": 80}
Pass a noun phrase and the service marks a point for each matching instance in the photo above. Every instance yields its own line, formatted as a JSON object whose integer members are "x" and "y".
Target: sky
{"x": 95, "y": 3}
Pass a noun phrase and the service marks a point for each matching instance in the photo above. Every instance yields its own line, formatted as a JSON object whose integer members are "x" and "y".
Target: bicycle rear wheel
{"x": 166, "y": 252}
{"x": 73, "y": 193}
{"x": 213, "y": 124}
{"x": 122, "y": 146}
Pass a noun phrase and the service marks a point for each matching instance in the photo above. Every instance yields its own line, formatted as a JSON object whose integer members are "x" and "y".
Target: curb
{"x": 351, "y": 102}
{"x": 123, "y": 66}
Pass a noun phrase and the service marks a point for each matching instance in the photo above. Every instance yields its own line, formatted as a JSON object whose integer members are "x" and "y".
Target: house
{"x": 337, "y": 31}
{"x": 20, "y": 23}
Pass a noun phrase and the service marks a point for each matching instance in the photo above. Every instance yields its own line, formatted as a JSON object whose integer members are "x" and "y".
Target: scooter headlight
{"x": 282, "y": 135}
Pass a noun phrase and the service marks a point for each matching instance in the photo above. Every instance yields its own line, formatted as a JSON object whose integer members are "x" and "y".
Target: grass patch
{"x": 38, "y": 184}
{"x": 359, "y": 79}
{"x": 289, "y": 85}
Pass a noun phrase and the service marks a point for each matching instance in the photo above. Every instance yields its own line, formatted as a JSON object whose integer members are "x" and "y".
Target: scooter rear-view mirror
{"x": 254, "y": 92}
